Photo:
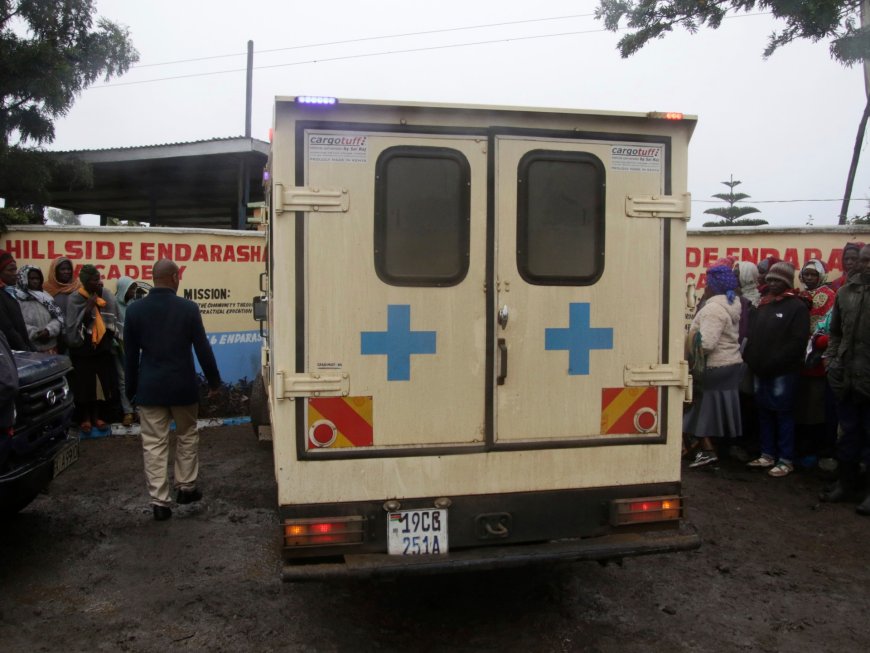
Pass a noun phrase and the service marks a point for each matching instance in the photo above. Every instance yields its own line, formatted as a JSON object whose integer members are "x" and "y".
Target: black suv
{"x": 39, "y": 447}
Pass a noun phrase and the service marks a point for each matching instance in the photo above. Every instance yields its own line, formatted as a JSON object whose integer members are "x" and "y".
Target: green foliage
{"x": 49, "y": 52}
{"x": 748, "y": 222}
{"x": 14, "y": 215}
{"x": 731, "y": 215}
{"x": 62, "y": 217}
{"x": 816, "y": 20}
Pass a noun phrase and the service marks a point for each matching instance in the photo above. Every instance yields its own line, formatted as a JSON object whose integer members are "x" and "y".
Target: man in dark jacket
{"x": 11, "y": 320}
{"x": 8, "y": 387}
{"x": 159, "y": 331}
{"x": 775, "y": 353}
{"x": 848, "y": 368}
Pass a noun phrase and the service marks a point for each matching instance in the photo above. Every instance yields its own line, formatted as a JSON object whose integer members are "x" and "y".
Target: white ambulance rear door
{"x": 395, "y": 290}
{"x": 580, "y": 288}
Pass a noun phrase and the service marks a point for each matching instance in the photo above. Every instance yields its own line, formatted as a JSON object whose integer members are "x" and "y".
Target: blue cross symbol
{"x": 579, "y": 338}
{"x": 398, "y": 342}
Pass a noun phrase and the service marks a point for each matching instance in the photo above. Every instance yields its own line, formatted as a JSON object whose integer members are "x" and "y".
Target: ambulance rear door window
{"x": 422, "y": 216}
{"x": 560, "y": 221}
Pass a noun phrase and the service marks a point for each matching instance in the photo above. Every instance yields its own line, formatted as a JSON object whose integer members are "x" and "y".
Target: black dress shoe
{"x": 162, "y": 513}
{"x": 188, "y": 496}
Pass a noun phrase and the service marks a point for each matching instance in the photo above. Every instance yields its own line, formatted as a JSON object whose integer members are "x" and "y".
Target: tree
{"x": 841, "y": 21}
{"x": 731, "y": 215}
{"x": 62, "y": 217}
{"x": 836, "y": 20}
{"x": 50, "y": 52}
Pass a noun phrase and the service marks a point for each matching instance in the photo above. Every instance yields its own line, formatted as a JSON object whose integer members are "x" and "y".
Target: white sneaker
{"x": 703, "y": 458}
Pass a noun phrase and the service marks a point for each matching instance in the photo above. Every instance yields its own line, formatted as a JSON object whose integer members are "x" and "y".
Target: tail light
{"x": 645, "y": 510}
{"x": 327, "y": 531}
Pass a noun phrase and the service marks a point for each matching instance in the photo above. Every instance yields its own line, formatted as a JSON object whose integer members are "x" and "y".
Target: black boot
{"x": 845, "y": 487}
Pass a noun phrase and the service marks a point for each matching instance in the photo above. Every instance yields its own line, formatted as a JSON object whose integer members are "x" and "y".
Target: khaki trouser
{"x": 155, "y": 421}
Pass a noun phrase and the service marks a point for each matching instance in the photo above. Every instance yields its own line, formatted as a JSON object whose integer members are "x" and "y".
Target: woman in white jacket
{"x": 43, "y": 317}
{"x": 715, "y": 413}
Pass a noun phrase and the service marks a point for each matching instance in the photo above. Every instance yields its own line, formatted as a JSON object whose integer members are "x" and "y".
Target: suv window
{"x": 422, "y": 216}
{"x": 560, "y": 218}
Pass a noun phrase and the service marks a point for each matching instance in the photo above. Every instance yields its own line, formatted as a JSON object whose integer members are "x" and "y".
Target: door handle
{"x": 503, "y": 361}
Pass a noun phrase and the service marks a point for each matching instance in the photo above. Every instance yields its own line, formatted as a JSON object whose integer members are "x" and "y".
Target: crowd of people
{"x": 782, "y": 371}
{"x": 124, "y": 347}
{"x": 76, "y": 316}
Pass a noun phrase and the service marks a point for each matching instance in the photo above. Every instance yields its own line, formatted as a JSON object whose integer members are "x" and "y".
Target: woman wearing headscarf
{"x": 775, "y": 352}
{"x": 91, "y": 325}
{"x": 713, "y": 333}
{"x": 747, "y": 275}
{"x": 43, "y": 318}
{"x": 60, "y": 284}
{"x": 815, "y": 414}
{"x": 850, "y": 260}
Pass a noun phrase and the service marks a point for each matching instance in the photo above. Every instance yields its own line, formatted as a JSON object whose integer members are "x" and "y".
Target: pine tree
{"x": 732, "y": 214}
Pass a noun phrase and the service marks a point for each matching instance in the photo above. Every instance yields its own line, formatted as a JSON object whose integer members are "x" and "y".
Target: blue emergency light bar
{"x": 316, "y": 99}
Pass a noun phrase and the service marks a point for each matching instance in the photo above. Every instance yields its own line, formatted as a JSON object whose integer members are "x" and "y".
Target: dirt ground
{"x": 85, "y": 568}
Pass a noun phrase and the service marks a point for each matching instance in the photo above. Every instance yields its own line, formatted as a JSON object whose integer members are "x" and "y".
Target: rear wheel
{"x": 17, "y": 504}
{"x": 259, "y": 406}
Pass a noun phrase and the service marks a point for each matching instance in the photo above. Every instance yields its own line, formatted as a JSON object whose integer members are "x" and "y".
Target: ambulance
{"x": 473, "y": 344}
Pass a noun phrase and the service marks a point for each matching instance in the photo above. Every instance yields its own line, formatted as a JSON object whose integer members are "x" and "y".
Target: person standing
{"x": 11, "y": 320}
{"x": 8, "y": 387}
{"x": 91, "y": 325}
{"x": 812, "y": 414}
{"x": 159, "y": 331}
{"x": 124, "y": 294}
{"x": 848, "y": 368}
{"x": 60, "y": 284}
{"x": 851, "y": 252}
{"x": 775, "y": 353}
{"x": 43, "y": 318}
{"x": 715, "y": 413}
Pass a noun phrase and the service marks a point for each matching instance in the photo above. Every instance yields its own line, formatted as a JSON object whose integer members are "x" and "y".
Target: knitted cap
{"x": 765, "y": 264}
{"x": 782, "y": 271}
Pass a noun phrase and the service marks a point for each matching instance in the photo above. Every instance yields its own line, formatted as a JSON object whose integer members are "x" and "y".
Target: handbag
{"x": 697, "y": 358}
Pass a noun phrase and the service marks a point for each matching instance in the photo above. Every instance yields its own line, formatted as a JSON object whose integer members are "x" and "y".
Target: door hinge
{"x": 290, "y": 386}
{"x": 649, "y": 375}
{"x": 313, "y": 198}
{"x": 659, "y": 206}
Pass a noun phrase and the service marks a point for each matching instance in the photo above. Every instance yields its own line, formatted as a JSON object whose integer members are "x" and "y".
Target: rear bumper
{"x": 607, "y": 547}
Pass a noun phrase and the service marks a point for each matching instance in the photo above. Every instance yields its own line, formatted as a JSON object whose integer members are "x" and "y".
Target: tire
{"x": 259, "y": 405}
{"x": 16, "y": 505}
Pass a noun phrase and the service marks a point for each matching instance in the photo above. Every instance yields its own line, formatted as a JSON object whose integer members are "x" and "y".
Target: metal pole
{"x": 859, "y": 139}
{"x": 853, "y": 168}
{"x": 243, "y": 185}
{"x": 249, "y": 89}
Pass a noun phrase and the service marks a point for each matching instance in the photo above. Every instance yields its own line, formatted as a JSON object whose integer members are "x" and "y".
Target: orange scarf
{"x": 99, "y": 329}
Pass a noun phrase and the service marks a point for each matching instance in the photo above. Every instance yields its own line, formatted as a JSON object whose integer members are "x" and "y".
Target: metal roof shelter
{"x": 198, "y": 184}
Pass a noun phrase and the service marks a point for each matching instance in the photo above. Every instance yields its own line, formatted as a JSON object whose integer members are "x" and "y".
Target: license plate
{"x": 66, "y": 457}
{"x": 417, "y": 532}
